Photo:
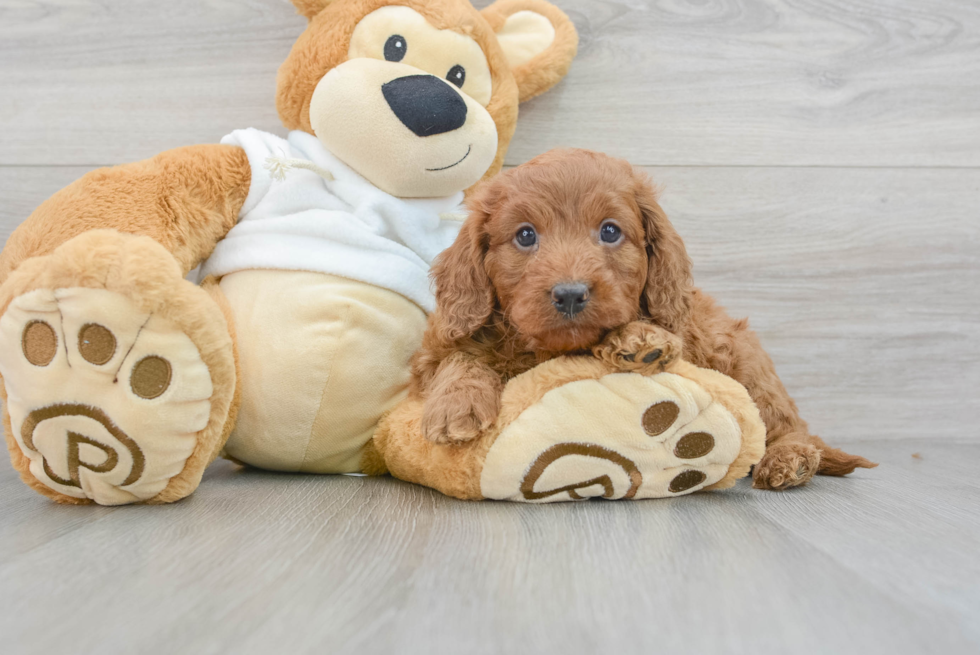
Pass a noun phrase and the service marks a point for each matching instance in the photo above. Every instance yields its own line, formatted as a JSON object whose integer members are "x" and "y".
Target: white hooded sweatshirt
{"x": 345, "y": 226}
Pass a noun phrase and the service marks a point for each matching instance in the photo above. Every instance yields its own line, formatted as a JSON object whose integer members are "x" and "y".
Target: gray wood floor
{"x": 821, "y": 159}
{"x": 883, "y": 562}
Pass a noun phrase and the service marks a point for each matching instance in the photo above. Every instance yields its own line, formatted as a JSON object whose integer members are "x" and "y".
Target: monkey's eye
{"x": 609, "y": 232}
{"x": 395, "y": 48}
{"x": 457, "y": 75}
{"x": 526, "y": 237}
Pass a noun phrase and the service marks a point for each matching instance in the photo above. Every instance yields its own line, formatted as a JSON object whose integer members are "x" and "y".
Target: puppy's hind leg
{"x": 793, "y": 454}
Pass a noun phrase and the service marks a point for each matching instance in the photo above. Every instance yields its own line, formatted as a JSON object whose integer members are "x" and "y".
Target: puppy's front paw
{"x": 786, "y": 465}
{"x": 458, "y": 416}
{"x": 640, "y": 347}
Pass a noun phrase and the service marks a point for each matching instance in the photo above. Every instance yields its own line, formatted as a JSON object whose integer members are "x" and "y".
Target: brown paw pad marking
{"x": 694, "y": 445}
{"x": 556, "y": 452}
{"x": 686, "y": 480}
{"x": 96, "y": 343}
{"x": 74, "y": 462}
{"x": 150, "y": 377}
{"x": 39, "y": 343}
{"x": 659, "y": 417}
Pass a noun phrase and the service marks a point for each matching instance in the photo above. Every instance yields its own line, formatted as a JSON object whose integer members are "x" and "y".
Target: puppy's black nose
{"x": 570, "y": 298}
{"x": 425, "y": 104}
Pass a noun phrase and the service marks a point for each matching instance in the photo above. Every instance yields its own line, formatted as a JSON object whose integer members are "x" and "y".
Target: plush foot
{"x": 626, "y": 436}
{"x": 639, "y": 347}
{"x": 108, "y": 400}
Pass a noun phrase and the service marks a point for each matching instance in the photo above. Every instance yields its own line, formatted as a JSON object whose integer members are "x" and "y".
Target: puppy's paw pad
{"x": 105, "y": 400}
{"x": 639, "y": 347}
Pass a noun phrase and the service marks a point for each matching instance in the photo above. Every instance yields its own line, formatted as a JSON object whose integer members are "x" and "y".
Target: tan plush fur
{"x": 185, "y": 484}
{"x": 547, "y": 69}
{"x": 185, "y": 199}
{"x": 310, "y": 8}
{"x": 400, "y": 449}
{"x": 495, "y": 317}
{"x": 143, "y": 271}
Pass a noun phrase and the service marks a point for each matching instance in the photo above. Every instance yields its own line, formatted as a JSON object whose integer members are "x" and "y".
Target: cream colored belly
{"x": 322, "y": 358}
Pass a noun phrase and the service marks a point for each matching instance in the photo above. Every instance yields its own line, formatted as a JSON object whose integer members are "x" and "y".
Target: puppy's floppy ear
{"x": 669, "y": 286}
{"x": 310, "y": 8}
{"x": 538, "y": 40}
{"x": 464, "y": 295}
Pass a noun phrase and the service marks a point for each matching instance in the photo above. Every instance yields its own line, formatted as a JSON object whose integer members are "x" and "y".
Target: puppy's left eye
{"x": 609, "y": 232}
{"x": 457, "y": 75}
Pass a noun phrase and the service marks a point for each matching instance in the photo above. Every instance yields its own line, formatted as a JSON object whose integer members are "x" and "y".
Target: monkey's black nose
{"x": 425, "y": 104}
{"x": 570, "y": 298}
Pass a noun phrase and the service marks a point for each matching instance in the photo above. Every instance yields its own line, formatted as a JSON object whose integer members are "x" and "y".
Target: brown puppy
{"x": 570, "y": 253}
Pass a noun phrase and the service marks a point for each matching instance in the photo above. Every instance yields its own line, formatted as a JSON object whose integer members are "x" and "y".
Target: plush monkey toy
{"x": 122, "y": 381}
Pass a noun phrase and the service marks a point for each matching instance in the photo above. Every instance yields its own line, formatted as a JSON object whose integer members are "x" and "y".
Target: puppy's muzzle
{"x": 425, "y": 104}
{"x": 570, "y": 298}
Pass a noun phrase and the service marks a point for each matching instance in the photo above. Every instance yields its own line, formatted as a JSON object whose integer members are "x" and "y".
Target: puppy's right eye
{"x": 526, "y": 237}
{"x": 395, "y": 48}
{"x": 610, "y": 233}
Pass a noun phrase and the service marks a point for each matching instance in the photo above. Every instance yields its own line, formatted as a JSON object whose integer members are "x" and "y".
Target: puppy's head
{"x": 566, "y": 247}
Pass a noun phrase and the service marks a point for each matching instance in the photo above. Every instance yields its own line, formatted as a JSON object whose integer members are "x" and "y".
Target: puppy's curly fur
{"x": 498, "y": 313}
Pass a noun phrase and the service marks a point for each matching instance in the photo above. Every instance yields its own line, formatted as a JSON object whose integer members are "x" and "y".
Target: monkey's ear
{"x": 538, "y": 40}
{"x": 310, "y": 8}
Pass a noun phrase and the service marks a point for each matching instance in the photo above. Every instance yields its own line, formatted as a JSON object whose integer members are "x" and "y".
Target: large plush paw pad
{"x": 639, "y": 347}
{"x": 105, "y": 400}
{"x": 621, "y": 436}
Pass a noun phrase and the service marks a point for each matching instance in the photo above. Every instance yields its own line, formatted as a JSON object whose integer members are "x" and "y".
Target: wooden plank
{"x": 765, "y": 82}
{"x": 863, "y": 284}
{"x": 260, "y": 562}
{"x": 915, "y": 514}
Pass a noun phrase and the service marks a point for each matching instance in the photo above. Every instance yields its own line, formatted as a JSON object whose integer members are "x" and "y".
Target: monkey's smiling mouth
{"x": 468, "y": 150}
